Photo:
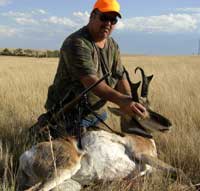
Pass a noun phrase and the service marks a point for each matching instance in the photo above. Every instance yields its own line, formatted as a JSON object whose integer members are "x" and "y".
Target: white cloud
{"x": 81, "y": 18}
{"x": 7, "y": 31}
{"x": 4, "y": 2}
{"x": 25, "y": 21}
{"x": 22, "y": 18}
{"x": 197, "y": 17}
{"x": 54, "y": 25}
{"x": 120, "y": 25}
{"x": 60, "y": 21}
{"x": 16, "y": 14}
{"x": 42, "y": 11}
{"x": 81, "y": 15}
{"x": 164, "y": 23}
{"x": 189, "y": 9}
{"x": 39, "y": 12}
{"x": 32, "y": 13}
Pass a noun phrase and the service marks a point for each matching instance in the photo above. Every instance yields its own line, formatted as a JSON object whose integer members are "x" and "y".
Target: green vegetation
{"x": 29, "y": 53}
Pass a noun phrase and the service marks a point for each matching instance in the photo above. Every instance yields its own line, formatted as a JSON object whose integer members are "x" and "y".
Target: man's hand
{"x": 134, "y": 109}
{"x": 125, "y": 102}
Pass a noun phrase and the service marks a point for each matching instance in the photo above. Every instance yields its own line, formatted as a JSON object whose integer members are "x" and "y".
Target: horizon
{"x": 146, "y": 28}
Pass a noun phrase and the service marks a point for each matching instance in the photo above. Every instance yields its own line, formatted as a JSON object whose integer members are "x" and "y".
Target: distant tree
{"x": 41, "y": 54}
{"x": 49, "y": 53}
{"x": 28, "y": 52}
{"x": 18, "y": 52}
{"x": 56, "y": 53}
{"x": 6, "y": 52}
{"x": 53, "y": 53}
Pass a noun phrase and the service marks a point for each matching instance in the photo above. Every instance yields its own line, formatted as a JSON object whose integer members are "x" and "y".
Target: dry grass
{"x": 174, "y": 92}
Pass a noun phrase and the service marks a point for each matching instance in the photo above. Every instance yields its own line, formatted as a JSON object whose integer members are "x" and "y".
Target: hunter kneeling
{"x": 89, "y": 74}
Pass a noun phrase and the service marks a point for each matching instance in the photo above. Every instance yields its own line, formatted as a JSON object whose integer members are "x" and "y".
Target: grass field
{"x": 174, "y": 92}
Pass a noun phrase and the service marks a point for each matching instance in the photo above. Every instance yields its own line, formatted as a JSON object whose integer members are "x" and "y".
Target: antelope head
{"x": 153, "y": 121}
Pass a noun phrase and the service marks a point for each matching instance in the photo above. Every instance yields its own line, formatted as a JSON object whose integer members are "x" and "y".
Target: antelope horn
{"x": 134, "y": 93}
{"x": 127, "y": 76}
{"x": 145, "y": 82}
{"x": 134, "y": 87}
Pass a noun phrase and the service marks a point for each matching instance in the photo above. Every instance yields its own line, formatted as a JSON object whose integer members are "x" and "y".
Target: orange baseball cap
{"x": 108, "y": 6}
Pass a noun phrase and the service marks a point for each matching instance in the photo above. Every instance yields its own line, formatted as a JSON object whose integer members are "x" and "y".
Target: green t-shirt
{"x": 78, "y": 57}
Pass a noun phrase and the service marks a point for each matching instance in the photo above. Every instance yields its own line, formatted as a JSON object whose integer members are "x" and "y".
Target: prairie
{"x": 174, "y": 92}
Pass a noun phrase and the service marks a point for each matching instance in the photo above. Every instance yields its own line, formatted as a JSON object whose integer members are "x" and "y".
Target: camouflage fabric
{"x": 79, "y": 57}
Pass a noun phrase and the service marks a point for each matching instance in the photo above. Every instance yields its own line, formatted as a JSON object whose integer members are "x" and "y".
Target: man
{"x": 86, "y": 56}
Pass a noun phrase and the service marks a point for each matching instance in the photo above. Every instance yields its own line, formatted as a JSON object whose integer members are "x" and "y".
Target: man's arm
{"x": 104, "y": 91}
{"x": 123, "y": 86}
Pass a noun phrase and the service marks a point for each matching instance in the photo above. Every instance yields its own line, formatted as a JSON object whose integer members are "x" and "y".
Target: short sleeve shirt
{"x": 79, "y": 56}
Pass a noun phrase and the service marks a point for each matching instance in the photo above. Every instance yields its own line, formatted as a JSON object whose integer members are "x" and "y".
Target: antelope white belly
{"x": 105, "y": 158}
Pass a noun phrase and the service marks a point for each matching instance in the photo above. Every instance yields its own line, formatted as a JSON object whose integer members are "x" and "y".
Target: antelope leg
{"x": 158, "y": 164}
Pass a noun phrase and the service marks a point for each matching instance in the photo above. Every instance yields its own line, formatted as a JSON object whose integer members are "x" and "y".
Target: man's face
{"x": 103, "y": 24}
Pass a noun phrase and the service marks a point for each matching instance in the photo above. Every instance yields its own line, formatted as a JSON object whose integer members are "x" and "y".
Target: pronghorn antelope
{"x": 104, "y": 155}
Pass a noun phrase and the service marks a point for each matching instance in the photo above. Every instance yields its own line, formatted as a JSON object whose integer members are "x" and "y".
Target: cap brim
{"x": 106, "y": 10}
{"x": 119, "y": 15}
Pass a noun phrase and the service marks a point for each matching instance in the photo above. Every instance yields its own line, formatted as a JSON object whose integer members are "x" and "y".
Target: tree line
{"x": 29, "y": 52}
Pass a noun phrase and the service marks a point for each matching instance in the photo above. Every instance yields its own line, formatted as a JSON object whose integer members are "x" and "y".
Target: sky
{"x": 150, "y": 27}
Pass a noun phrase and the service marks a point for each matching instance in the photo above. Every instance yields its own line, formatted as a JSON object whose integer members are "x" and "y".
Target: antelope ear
{"x": 116, "y": 111}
